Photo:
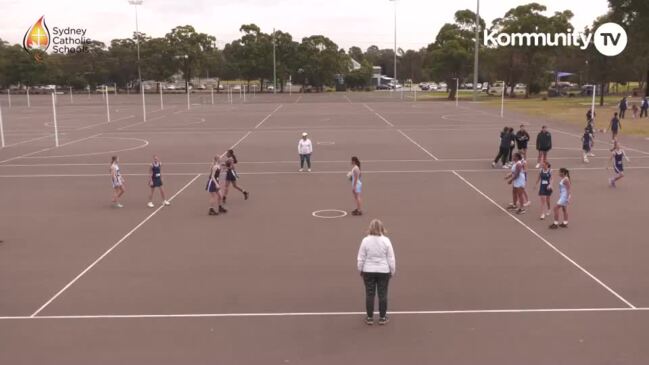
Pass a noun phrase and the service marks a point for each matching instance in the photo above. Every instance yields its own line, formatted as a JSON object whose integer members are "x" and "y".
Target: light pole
{"x": 477, "y": 48}
{"x": 395, "y": 42}
{"x": 274, "y": 65}
{"x": 135, "y": 4}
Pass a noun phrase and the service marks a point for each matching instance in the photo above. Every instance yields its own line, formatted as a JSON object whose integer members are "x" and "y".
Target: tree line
{"x": 318, "y": 61}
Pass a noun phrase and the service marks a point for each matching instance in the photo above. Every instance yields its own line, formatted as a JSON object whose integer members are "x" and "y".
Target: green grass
{"x": 573, "y": 111}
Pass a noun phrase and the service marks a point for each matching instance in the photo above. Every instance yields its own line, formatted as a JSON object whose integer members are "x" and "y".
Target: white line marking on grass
{"x": 126, "y": 236}
{"x": 418, "y": 145}
{"x": 553, "y": 247}
{"x": 49, "y": 148}
{"x": 327, "y": 314}
{"x": 268, "y": 116}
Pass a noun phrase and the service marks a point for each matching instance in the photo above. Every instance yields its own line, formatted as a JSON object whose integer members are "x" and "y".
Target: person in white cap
{"x": 305, "y": 149}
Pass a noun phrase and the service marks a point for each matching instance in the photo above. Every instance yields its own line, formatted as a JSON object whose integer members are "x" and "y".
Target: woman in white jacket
{"x": 305, "y": 149}
{"x": 377, "y": 264}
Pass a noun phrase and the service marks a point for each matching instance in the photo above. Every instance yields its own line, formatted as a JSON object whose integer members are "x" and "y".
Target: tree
{"x": 634, "y": 16}
{"x": 320, "y": 61}
{"x": 188, "y": 47}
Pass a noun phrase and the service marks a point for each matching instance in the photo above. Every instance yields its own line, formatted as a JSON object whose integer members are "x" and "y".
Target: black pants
{"x": 305, "y": 158}
{"x": 643, "y": 112}
{"x": 376, "y": 282}
{"x": 622, "y": 111}
{"x": 503, "y": 153}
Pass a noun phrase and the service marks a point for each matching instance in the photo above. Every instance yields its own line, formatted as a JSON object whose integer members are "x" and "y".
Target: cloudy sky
{"x": 346, "y": 22}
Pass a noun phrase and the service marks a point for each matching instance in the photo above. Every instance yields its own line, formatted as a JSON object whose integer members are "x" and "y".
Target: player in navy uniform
{"x": 213, "y": 188}
{"x": 587, "y": 143}
{"x": 617, "y": 156}
{"x": 155, "y": 181}
{"x": 231, "y": 176}
{"x": 544, "y": 181}
{"x": 615, "y": 127}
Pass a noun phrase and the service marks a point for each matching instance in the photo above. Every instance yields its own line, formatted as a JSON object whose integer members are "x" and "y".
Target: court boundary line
{"x": 548, "y": 243}
{"x": 330, "y": 172}
{"x": 268, "y": 116}
{"x": 50, "y": 148}
{"x": 418, "y": 145}
{"x": 327, "y": 314}
{"x": 378, "y": 115}
{"x": 113, "y": 247}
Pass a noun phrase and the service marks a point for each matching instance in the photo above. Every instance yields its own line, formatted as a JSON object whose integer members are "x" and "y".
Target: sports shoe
{"x": 383, "y": 321}
{"x": 222, "y": 210}
{"x": 300, "y": 170}
{"x": 505, "y": 166}
{"x": 245, "y": 195}
{"x": 542, "y": 216}
{"x": 493, "y": 164}
{"x": 150, "y": 204}
{"x": 563, "y": 225}
{"x": 512, "y": 206}
{"x": 521, "y": 211}
{"x": 309, "y": 170}
{"x": 369, "y": 321}
{"x": 527, "y": 203}
{"x": 537, "y": 165}
{"x": 554, "y": 226}
{"x": 166, "y": 202}
{"x": 118, "y": 205}
{"x": 591, "y": 154}
{"x": 213, "y": 212}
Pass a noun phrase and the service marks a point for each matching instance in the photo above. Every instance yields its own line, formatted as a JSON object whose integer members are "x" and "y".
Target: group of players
{"x": 518, "y": 176}
{"x": 223, "y": 168}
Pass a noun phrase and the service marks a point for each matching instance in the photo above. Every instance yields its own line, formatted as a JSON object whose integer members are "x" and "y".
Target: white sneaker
{"x": 537, "y": 165}
{"x": 166, "y": 202}
{"x": 543, "y": 216}
{"x": 118, "y": 205}
{"x": 591, "y": 154}
{"x": 586, "y": 160}
{"x": 493, "y": 164}
{"x": 149, "y": 204}
{"x": 309, "y": 170}
{"x": 527, "y": 203}
{"x": 300, "y": 170}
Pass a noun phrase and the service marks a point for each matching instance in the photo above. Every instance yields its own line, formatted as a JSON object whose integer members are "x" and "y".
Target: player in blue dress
{"x": 155, "y": 181}
{"x": 587, "y": 143}
{"x": 617, "y": 157}
{"x": 118, "y": 182}
{"x": 231, "y": 176}
{"x": 565, "y": 188}
{"x": 214, "y": 189}
{"x": 544, "y": 181}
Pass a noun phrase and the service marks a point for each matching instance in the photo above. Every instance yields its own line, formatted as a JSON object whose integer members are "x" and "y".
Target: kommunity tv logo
{"x": 610, "y": 39}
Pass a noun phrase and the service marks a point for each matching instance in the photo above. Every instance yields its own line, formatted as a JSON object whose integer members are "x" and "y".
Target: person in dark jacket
{"x": 623, "y": 107}
{"x": 522, "y": 138}
{"x": 644, "y": 107}
{"x": 615, "y": 126}
{"x": 503, "y": 150}
{"x": 543, "y": 145}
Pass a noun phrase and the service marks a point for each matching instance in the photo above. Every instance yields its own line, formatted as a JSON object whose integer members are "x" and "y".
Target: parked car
{"x": 383, "y": 87}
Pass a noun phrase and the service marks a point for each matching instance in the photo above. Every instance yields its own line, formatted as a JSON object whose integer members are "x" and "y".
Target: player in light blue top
{"x": 357, "y": 184}
{"x": 565, "y": 188}
{"x": 518, "y": 179}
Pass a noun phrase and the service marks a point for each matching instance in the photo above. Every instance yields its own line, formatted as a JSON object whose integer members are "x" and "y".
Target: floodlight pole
{"x": 162, "y": 105}
{"x": 29, "y": 103}
{"x": 476, "y": 52}
{"x": 135, "y": 3}
{"x": 395, "y": 42}
{"x": 502, "y": 101}
{"x": 71, "y": 99}
{"x": 107, "y": 106}
{"x": 9, "y": 97}
{"x": 274, "y": 65}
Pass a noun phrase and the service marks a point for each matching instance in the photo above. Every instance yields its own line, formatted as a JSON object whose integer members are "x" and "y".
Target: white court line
{"x": 49, "y": 148}
{"x": 418, "y": 145}
{"x": 30, "y": 140}
{"x": 606, "y": 142}
{"x": 268, "y": 116}
{"x": 203, "y": 163}
{"x": 378, "y": 115}
{"x": 328, "y": 314}
{"x": 102, "y": 123}
{"x": 143, "y": 145}
{"x": 94, "y": 263}
{"x": 140, "y": 123}
{"x": 348, "y": 99}
{"x": 553, "y": 247}
{"x": 298, "y": 99}
{"x": 331, "y": 172}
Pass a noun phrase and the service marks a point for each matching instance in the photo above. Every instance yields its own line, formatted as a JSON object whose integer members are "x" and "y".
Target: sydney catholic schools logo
{"x": 610, "y": 39}
{"x": 66, "y": 40}
{"x": 37, "y": 38}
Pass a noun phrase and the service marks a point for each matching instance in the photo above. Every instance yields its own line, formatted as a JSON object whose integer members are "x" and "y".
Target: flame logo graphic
{"x": 37, "y": 38}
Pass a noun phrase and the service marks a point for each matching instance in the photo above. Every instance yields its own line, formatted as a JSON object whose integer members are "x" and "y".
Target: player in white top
{"x": 117, "y": 181}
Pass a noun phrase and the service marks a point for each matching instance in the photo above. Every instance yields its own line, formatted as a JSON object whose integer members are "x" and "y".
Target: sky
{"x": 347, "y": 22}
